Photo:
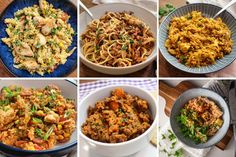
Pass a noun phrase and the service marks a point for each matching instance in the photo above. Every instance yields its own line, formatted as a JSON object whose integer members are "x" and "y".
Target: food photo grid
{"x": 117, "y": 78}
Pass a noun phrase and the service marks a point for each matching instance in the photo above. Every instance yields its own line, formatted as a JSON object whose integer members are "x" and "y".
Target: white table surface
{"x": 85, "y": 151}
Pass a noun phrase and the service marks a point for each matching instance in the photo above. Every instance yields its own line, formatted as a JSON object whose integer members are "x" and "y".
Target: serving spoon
{"x": 223, "y": 9}
{"x": 86, "y": 10}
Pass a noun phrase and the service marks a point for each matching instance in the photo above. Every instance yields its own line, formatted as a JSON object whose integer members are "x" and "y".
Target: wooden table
{"x": 165, "y": 68}
{"x": 149, "y": 71}
{"x": 3, "y": 71}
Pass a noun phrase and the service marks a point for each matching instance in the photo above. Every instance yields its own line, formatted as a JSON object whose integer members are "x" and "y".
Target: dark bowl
{"x": 208, "y": 10}
{"x": 5, "y": 52}
{"x": 179, "y": 104}
{"x": 69, "y": 90}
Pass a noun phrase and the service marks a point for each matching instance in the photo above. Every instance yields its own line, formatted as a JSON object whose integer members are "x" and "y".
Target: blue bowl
{"x": 69, "y": 89}
{"x": 6, "y": 54}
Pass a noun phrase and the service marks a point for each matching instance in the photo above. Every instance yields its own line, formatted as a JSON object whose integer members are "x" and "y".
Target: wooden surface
{"x": 149, "y": 71}
{"x": 171, "y": 94}
{"x": 3, "y": 71}
{"x": 165, "y": 68}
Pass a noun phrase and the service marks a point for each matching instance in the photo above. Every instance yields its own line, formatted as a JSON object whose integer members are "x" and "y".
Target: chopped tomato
{"x": 37, "y": 147}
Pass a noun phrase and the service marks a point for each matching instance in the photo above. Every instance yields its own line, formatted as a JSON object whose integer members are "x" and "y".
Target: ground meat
{"x": 118, "y": 118}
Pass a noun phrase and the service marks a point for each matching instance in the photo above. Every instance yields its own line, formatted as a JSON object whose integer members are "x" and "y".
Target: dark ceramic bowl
{"x": 208, "y": 10}
{"x": 6, "y": 54}
{"x": 69, "y": 90}
{"x": 179, "y": 104}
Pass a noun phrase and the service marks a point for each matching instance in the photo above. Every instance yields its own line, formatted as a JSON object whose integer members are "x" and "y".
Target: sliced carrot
{"x": 114, "y": 105}
{"x": 119, "y": 92}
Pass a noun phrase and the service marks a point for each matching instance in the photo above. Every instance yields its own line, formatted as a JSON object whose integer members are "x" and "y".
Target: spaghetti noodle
{"x": 117, "y": 39}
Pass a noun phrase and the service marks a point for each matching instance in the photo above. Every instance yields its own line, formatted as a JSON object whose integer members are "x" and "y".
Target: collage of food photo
{"x": 117, "y": 78}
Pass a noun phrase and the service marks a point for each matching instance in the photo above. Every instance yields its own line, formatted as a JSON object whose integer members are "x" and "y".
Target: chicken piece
{"x": 31, "y": 64}
{"x": 64, "y": 17}
{"x": 7, "y": 116}
{"x": 46, "y": 24}
{"x": 39, "y": 21}
{"x": 47, "y": 28}
{"x": 41, "y": 39}
{"x": 52, "y": 117}
{"x": 24, "y": 50}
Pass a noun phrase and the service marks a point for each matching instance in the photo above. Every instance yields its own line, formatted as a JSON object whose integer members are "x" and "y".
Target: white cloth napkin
{"x": 150, "y": 5}
{"x": 229, "y": 71}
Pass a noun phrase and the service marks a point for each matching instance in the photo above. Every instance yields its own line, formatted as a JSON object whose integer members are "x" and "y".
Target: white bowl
{"x": 143, "y": 14}
{"x": 69, "y": 90}
{"x": 123, "y": 148}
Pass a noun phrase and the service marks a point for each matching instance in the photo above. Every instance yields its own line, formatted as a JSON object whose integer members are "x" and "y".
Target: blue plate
{"x": 6, "y": 54}
{"x": 208, "y": 10}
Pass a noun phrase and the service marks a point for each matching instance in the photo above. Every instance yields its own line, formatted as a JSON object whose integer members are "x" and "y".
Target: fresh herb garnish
{"x": 124, "y": 47}
{"x": 37, "y": 120}
{"x": 67, "y": 113}
{"x": 39, "y": 132}
{"x": 131, "y": 41}
{"x": 163, "y": 11}
{"x": 38, "y": 45}
{"x": 4, "y": 102}
{"x": 54, "y": 31}
{"x": 34, "y": 109}
{"x": 11, "y": 93}
{"x": 16, "y": 32}
{"x": 17, "y": 42}
{"x": 48, "y": 133}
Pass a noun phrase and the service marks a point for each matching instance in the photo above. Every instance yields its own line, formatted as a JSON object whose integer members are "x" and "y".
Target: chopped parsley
{"x": 37, "y": 120}
{"x": 163, "y": 11}
{"x": 124, "y": 47}
{"x": 54, "y": 31}
{"x": 48, "y": 133}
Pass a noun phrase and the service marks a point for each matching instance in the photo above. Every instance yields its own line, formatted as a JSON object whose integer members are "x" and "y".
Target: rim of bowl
{"x": 176, "y": 66}
{"x": 149, "y": 58}
{"x": 227, "y": 112}
{"x": 60, "y": 148}
{"x": 126, "y": 142}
